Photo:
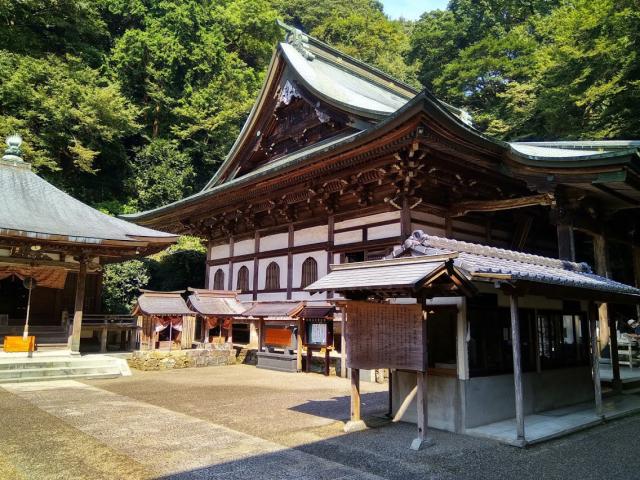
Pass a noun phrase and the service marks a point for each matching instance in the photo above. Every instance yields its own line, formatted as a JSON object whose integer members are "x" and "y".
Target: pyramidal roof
{"x": 34, "y": 209}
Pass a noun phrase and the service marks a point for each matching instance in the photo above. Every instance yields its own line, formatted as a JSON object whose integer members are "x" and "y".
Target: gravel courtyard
{"x": 241, "y": 422}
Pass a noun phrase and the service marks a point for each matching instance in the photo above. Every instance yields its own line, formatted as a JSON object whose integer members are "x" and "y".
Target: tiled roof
{"x": 423, "y": 255}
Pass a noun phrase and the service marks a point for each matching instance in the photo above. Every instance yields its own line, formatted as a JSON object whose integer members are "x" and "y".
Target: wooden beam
{"x": 517, "y": 368}
{"x": 566, "y": 243}
{"x": 464, "y": 208}
{"x": 422, "y": 406}
{"x": 256, "y": 251}
{"x": 601, "y": 260}
{"x": 81, "y": 282}
{"x": 290, "y": 262}
{"x": 636, "y": 272}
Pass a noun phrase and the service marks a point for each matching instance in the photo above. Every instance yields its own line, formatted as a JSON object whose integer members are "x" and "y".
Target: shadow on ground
{"x": 338, "y": 408}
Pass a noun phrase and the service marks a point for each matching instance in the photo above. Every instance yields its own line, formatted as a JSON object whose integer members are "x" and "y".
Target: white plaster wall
{"x": 311, "y": 235}
{"x": 307, "y": 296}
{"x": 342, "y": 238}
{"x": 245, "y": 298}
{"x": 271, "y": 297}
{"x": 319, "y": 256}
{"x": 274, "y": 242}
{"x": 262, "y": 271}
{"x": 380, "y": 217}
{"x": 4, "y": 252}
{"x": 384, "y": 231}
{"x": 244, "y": 247}
{"x": 219, "y": 251}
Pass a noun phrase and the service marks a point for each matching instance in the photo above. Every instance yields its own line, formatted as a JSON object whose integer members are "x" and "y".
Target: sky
{"x": 411, "y": 9}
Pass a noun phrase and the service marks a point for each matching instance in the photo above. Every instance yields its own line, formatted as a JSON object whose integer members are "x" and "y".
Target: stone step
{"x": 47, "y": 373}
{"x": 84, "y": 376}
{"x": 10, "y": 365}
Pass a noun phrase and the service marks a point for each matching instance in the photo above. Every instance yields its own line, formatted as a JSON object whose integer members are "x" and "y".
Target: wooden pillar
{"x": 636, "y": 273}
{"x": 261, "y": 334}
{"x": 253, "y": 334}
{"x": 231, "y": 254}
{"x": 207, "y": 267}
{"x": 390, "y": 395}
{"x": 290, "y": 263}
{"x": 133, "y": 338}
{"x": 615, "y": 358}
{"x": 78, "y": 307}
{"x": 422, "y": 404}
{"x": 299, "y": 345}
{"x": 343, "y": 347}
{"x": 566, "y": 243}
{"x": 405, "y": 220}
{"x": 602, "y": 268}
{"x": 595, "y": 358}
{"x": 256, "y": 264}
{"x": 103, "y": 339}
{"x": 330, "y": 238}
{"x": 355, "y": 422}
{"x": 230, "y": 332}
{"x": 517, "y": 368}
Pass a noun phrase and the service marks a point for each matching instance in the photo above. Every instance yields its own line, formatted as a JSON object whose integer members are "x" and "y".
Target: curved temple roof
{"x": 355, "y": 87}
{"x": 34, "y": 209}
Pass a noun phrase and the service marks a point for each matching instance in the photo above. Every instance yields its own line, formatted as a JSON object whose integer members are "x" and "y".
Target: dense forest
{"x": 131, "y": 104}
{"x": 113, "y": 95}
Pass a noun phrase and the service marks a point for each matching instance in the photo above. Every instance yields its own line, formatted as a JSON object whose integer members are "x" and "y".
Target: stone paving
{"x": 242, "y": 423}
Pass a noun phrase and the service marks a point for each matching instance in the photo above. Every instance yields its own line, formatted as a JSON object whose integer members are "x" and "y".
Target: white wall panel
{"x": 384, "y": 231}
{"x": 219, "y": 251}
{"x": 274, "y": 242}
{"x": 311, "y": 235}
{"x": 352, "y": 236}
{"x": 244, "y": 247}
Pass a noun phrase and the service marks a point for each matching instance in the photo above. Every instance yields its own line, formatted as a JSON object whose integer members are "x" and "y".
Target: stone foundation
{"x": 169, "y": 360}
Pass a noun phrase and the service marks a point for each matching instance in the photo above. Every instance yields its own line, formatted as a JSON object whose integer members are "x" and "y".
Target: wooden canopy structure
{"x": 394, "y": 336}
{"x": 158, "y": 311}
{"x": 45, "y": 233}
{"x": 215, "y": 306}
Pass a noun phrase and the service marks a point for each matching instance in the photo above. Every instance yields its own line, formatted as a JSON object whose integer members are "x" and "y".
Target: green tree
{"x": 121, "y": 284}
{"x": 161, "y": 174}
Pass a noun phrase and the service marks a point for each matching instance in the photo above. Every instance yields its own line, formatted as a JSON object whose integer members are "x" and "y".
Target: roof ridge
{"x": 495, "y": 252}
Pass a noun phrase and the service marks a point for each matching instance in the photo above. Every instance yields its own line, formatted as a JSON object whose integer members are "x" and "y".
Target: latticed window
{"x": 309, "y": 272}
{"x": 218, "y": 280}
{"x": 273, "y": 277}
{"x": 243, "y": 279}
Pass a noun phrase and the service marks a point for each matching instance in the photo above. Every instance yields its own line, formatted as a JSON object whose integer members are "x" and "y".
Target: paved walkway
{"x": 169, "y": 443}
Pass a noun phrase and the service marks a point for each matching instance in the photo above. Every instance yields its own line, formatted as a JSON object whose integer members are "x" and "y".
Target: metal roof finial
{"x": 13, "y": 152}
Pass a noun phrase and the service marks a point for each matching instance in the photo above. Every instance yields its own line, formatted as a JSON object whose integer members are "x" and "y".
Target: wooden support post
{"x": 343, "y": 348}
{"x": 595, "y": 358}
{"x": 290, "y": 263}
{"x": 261, "y": 334}
{"x": 254, "y": 338}
{"x": 299, "y": 345}
{"x": 405, "y": 220}
{"x": 601, "y": 261}
{"x": 517, "y": 369}
{"x": 327, "y": 362}
{"x": 133, "y": 338}
{"x": 636, "y": 274}
{"x": 566, "y": 243}
{"x": 76, "y": 333}
{"x": 309, "y": 359}
{"x": 355, "y": 423}
{"x": 390, "y": 394}
{"x": 615, "y": 358}
{"x": 230, "y": 332}
{"x": 422, "y": 404}
{"x": 103, "y": 339}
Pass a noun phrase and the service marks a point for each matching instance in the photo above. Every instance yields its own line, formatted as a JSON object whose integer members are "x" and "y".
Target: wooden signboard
{"x": 18, "y": 344}
{"x": 277, "y": 337}
{"x": 385, "y": 336}
{"x": 318, "y": 332}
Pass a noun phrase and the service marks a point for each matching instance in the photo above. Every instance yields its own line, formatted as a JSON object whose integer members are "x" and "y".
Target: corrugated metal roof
{"x": 33, "y": 208}
{"x": 273, "y": 309}
{"x": 215, "y": 304}
{"x": 379, "y": 274}
{"x": 161, "y": 304}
